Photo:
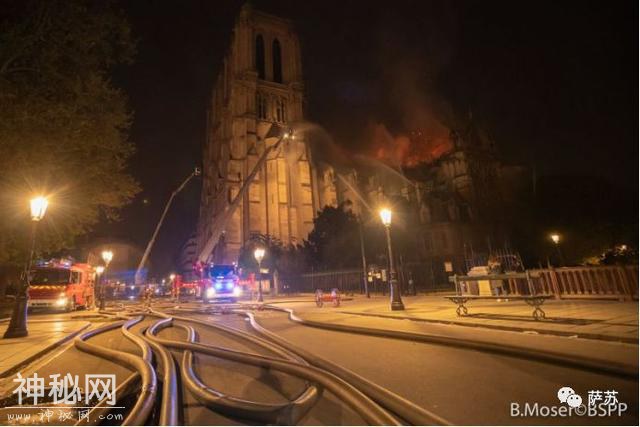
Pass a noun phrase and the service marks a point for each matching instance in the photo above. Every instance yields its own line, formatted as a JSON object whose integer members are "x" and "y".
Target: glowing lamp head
{"x": 385, "y": 216}
{"x": 259, "y": 254}
{"x": 107, "y": 256}
{"x": 100, "y": 269}
{"x": 38, "y": 207}
{"x": 172, "y": 276}
{"x": 555, "y": 238}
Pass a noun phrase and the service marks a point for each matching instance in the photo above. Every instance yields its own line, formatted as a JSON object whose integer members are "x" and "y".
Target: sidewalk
{"x": 593, "y": 319}
{"x": 44, "y": 336}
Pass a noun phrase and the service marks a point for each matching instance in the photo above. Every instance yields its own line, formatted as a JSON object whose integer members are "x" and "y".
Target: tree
{"x": 334, "y": 242}
{"x": 63, "y": 125}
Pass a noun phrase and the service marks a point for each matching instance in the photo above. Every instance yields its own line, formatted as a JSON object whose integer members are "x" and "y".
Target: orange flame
{"x": 420, "y": 146}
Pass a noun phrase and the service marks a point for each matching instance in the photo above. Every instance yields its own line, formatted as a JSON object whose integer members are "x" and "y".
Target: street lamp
{"x": 555, "y": 238}
{"x": 174, "y": 290}
{"x": 38, "y": 208}
{"x": 18, "y": 324}
{"x": 107, "y": 256}
{"x": 364, "y": 260}
{"x": 259, "y": 254}
{"x": 396, "y": 299}
{"x": 99, "y": 271}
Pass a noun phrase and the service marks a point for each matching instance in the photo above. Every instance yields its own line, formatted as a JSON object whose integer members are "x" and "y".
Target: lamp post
{"x": 107, "y": 256}
{"x": 555, "y": 238}
{"x": 175, "y": 292}
{"x": 99, "y": 271}
{"x": 396, "y": 299}
{"x": 364, "y": 260}
{"x": 18, "y": 324}
{"x": 259, "y": 254}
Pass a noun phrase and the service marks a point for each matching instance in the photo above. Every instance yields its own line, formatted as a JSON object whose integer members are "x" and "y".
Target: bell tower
{"x": 259, "y": 84}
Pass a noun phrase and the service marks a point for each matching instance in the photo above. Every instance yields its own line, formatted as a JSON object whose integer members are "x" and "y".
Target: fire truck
{"x": 220, "y": 282}
{"x": 61, "y": 284}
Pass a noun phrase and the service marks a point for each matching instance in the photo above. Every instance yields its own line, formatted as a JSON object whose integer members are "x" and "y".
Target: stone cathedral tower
{"x": 259, "y": 83}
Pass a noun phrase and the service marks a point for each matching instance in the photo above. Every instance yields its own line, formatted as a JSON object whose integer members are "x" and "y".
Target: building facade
{"x": 452, "y": 207}
{"x": 187, "y": 259}
{"x": 259, "y": 84}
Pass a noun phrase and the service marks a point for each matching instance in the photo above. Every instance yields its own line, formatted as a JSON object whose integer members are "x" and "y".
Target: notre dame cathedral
{"x": 259, "y": 83}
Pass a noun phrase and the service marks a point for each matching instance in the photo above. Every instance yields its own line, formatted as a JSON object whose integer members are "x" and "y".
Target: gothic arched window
{"x": 277, "y": 62}
{"x": 261, "y": 105}
{"x": 260, "y": 56}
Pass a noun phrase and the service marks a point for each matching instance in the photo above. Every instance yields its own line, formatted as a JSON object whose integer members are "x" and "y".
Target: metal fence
{"x": 618, "y": 282}
{"x": 347, "y": 281}
{"x": 614, "y": 282}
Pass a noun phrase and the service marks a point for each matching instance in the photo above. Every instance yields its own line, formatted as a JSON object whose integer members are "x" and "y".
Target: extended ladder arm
{"x": 138, "y": 276}
{"x": 221, "y": 220}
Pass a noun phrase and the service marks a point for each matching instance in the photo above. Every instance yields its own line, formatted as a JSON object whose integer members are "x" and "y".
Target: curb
{"x": 310, "y": 301}
{"x": 586, "y": 335}
{"x": 584, "y": 363}
{"x": 7, "y": 372}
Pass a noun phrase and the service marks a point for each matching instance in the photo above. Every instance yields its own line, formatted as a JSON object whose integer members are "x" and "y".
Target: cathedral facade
{"x": 259, "y": 84}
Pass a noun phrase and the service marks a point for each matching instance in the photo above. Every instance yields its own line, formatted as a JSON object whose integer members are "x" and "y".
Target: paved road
{"x": 463, "y": 386}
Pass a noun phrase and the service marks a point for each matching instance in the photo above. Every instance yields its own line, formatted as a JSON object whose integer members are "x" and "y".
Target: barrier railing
{"x": 343, "y": 280}
{"x": 614, "y": 282}
{"x": 619, "y": 282}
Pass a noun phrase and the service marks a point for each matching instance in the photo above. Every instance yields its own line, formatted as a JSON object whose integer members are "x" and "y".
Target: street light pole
{"x": 260, "y": 297}
{"x": 396, "y": 299}
{"x": 364, "y": 260}
{"x": 556, "y": 241}
{"x": 259, "y": 254}
{"x": 172, "y": 279}
{"x": 99, "y": 271}
{"x": 107, "y": 256}
{"x": 18, "y": 323}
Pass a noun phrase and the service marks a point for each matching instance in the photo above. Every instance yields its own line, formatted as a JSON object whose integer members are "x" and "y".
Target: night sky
{"x": 553, "y": 82}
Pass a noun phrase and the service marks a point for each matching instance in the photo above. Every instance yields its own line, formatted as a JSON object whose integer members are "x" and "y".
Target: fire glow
{"x": 420, "y": 146}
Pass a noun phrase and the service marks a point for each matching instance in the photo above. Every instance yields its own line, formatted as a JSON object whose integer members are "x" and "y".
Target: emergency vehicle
{"x": 220, "y": 282}
{"x": 62, "y": 284}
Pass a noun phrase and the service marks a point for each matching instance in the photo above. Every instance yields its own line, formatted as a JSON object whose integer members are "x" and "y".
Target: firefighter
{"x": 148, "y": 293}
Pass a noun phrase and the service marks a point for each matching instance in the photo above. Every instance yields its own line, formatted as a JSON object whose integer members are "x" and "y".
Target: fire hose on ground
{"x": 370, "y": 412}
{"x": 148, "y": 387}
{"x": 289, "y": 413}
{"x": 406, "y": 409}
{"x": 545, "y": 356}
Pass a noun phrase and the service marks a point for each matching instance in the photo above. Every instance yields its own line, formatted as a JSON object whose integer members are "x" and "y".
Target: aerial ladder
{"x": 139, "y": 277}
{"x": 221, "y": 220}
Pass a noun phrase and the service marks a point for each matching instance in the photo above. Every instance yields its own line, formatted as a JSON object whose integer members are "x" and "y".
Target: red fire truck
{"x": 61, "y": 284}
